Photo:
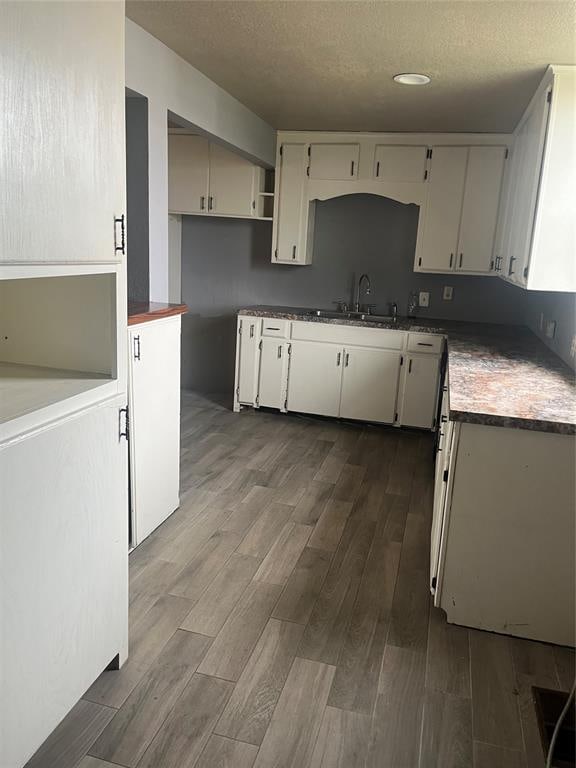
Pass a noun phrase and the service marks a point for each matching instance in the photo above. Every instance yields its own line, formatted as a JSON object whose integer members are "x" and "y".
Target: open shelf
{"x": 27, "y": 388}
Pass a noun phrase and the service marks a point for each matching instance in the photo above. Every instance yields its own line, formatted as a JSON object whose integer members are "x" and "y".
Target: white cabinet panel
{"x": 272, "y": 374}
{"x": 62, "y": 151}
{"x": 480, "y": 208}
{"x": 247, "y": 359}
{"x": 369, "y": 384}
{"x": 231, "y": 183}
{"x": 443, "y": 208}
{"x": 394, "y": 162}
{"x": 154, "y": 403}
{"x": 334, "y": 161}
{"x": 188, "y": 162}
{"x": 314, "y": 378}
{"x": 63, "y": 571}
{"x": 420, "y": 396}
{"x": 291, "y": 219}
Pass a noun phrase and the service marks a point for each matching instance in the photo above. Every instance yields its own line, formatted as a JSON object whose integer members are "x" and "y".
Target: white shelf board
{"x": 31, "y": 394}
{"x": 19, "y": 270}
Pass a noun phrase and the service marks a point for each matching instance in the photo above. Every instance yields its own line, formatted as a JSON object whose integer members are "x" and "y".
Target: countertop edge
{"x": 146, "y": 312}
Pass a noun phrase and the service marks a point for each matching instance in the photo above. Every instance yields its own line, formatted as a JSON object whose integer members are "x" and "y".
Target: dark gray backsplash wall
{"x": 226, "y": 265}
{"x": 137, "y": 198}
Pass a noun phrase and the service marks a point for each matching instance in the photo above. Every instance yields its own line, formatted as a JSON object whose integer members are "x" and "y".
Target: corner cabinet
{"x": 537, "y": 231}
{"x": 349, "y": 372}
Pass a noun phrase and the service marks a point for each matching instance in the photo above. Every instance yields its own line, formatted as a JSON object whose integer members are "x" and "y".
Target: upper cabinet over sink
{"x": 400, "y": 163}
{"x": 334, "y": 161}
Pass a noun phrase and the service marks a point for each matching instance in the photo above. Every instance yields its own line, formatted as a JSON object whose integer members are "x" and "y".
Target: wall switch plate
{"x": 447, "y": 293}
{"x": 424, "y": 299}
{"x": 550, "y": 328}
{"x": 573, "y": 346}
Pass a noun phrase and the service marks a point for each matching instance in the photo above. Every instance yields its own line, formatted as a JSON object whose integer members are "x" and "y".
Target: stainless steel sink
{"x": 351, "y": 316}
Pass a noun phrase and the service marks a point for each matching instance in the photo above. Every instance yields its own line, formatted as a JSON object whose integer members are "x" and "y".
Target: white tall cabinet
{"x": 63, "y": 450}
{"x": 154, "y": 410}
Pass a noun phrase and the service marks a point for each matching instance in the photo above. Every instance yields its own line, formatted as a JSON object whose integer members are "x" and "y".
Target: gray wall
{"x": 560, "y": 307}
{"x": 137, "y": 198}
{"x": 226, "y": 265}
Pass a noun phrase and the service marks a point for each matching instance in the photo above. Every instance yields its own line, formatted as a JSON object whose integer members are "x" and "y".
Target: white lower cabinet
{"x": 420, "y": 394}
{"x": 272, "y": 375}
{"x": 315, "y": 378}
{"x": 63, "y": 570}
{"x": 370, "y": 384}
{"x": 154, "y": 406}
{"x": 351, "y": 372}
{"x": 248, "y": 340}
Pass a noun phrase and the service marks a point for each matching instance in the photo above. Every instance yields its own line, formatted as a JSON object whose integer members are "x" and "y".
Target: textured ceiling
{"x": 309, "y": 64}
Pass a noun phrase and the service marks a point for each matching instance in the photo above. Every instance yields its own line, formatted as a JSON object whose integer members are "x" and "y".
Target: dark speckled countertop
{"x": 500, "y": 375}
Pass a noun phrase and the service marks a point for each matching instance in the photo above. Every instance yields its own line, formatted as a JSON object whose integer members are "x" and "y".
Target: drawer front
{"x": 425, "y": 342}
{"x": 348, "y": 334}
{"x": 273, "y": 327}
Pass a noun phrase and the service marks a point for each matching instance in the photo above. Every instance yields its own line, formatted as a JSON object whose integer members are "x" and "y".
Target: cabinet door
{"x": 248, "y": 340}
{"x": 480, "y": 208}
{"x": 314, "y": 378}
{"x": 420, "y": 391}
{"x": 441, "y": 498}
{"x": 154, "y": 403}
{"x": 231, "y": 183}
{"x": 63, "y": 571}
{"x": 290, "y": 211}
{"x": 370, "y": 384}
{"x": 334, "y": 161}
{"x": 272, "y": 375}
{"x": 187, "y": 174}
{"x": 62, "y": 151}
{"x": 443, "y": 208}
{"x": 527, "y": 159}
{"x": 399, "y": 163}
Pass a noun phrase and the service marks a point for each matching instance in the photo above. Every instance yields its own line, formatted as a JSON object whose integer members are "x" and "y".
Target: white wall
{"x": 171, "y": 84}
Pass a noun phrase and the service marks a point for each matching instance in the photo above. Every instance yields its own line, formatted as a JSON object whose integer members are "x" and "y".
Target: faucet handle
{"x": 369, "y": 308}
{"x": 341, "y": 306}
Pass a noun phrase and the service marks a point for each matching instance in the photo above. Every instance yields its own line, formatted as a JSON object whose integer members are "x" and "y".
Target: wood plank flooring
{"x": 281, "y": 618}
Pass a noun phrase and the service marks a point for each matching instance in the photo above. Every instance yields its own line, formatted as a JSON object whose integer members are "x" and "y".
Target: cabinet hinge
{"x": 425, "y": 175}
{"x": 126, "y": 431}
{"x": 491, "y": 264}
{"x": 286, "y": 404}
{"x": 253, "y": 205}
{"x": 434, "y": 582}
{"x": 445, "y": 476}
{"x": 401, "y": 359}
{"x": 237, "y": 391}
{"x": 257, "y": 400}
{"x": 260, "y": 345}
{"x": 240, "y": 329}
{"x": 396, "y": 416}
{"x": 281, "y": 148}
{"x": 289, "y": 349}
{"x": 506, "y": 154}
{"x": 276, "y": 254}
{"x": 308, "y": 171}
{"x": 309, "y": 150}
{"x": 549, "y": 96}
{"x": 525, "y": 273}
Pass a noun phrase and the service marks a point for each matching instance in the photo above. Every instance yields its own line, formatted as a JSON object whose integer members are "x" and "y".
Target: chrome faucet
{"x": 363, "y": 277}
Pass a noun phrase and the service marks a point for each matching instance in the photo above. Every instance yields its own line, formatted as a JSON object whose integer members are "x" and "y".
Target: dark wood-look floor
{"x": 281, "y": 618}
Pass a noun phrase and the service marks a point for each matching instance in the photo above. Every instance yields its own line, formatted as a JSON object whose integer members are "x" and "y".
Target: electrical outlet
{"x": 447, "y": 293}
{"x": 424, "y": 299}
{"x": 573, "y": 346}
{"x": 550, "y": 328}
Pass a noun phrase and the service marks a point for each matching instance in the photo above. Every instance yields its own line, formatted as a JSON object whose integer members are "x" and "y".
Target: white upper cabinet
{"x": 400, "y": 163}
{"x": 290, "y": 223}
{"x": 537, "y": 230}
{"x": 480, "y": 209}
{"x": 461, "y": 209}
{"x": 62, "y": 152}
{"x": 231, "y": 183}
{"x": 334, "y": 161}
{"x": 443, "y": 209}
{"x": 188, "y": 172}
{"x": 205, "y": 178}
{"x": 370, "y": 384}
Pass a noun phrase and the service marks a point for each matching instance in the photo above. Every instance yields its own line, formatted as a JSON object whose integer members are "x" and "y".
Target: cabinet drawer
{"x": 272, "y": 327}
{"x": 425, "y": 342}
{"x": 348, "y": 334}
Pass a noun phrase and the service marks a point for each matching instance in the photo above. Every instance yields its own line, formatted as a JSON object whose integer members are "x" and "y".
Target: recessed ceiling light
{"x": 412, "y": 78}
